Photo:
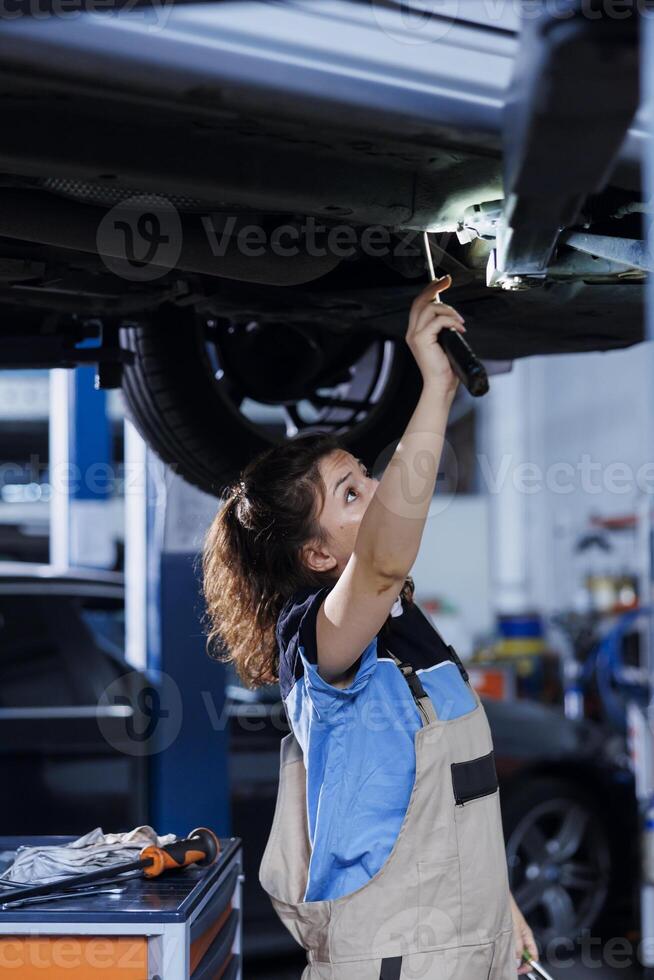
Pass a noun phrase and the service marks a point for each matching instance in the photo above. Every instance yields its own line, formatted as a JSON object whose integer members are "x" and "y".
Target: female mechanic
{"x": 386, "y": 858}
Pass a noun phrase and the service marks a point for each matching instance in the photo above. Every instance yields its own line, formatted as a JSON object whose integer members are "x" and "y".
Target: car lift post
{"x": 641, "y": 727}
{"x": 80, "y": 473}
{"x": 186, "y": 741}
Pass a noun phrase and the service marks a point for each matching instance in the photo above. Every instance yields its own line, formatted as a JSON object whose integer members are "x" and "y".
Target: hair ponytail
{"x": 252, "y": 554}
{"x": 251, "y": 557}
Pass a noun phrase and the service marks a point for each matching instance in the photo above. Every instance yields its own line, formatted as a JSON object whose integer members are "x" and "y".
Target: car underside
{"x": 224, "y": 208}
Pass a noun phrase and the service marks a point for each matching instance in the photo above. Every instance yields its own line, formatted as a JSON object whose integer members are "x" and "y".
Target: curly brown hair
{"x": 251, "y": 556}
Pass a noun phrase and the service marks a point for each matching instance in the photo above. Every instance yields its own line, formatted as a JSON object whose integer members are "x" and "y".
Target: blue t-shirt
{"x": 358, "y": 742}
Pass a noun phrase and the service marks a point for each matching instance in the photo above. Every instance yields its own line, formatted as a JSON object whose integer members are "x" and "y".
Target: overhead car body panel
{"x": 279, "y": 87}
{"x": 352, "y": 111}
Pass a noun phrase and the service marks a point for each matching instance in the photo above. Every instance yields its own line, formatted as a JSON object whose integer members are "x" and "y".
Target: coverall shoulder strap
{"x": 420, "y": 696}
{"x": 453, "y": 655}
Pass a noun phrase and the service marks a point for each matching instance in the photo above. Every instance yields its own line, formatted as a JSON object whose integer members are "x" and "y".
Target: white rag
{"x": 94, "y": 851}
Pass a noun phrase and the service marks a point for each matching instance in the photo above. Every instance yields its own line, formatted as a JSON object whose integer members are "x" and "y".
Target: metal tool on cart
{"x": 201, "y": 847}
{"x": 166, "y": 927}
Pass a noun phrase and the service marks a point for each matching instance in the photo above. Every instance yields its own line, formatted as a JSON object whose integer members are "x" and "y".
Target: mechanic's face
{"x": 349, "y": 490}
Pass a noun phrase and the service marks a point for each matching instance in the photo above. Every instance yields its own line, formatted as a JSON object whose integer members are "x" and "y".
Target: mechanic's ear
{"x": 316, "y": 559}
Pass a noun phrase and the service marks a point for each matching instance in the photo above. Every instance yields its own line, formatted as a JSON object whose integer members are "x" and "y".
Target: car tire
{"x": 172, "y": 399}
{"x": 532, "y": 813}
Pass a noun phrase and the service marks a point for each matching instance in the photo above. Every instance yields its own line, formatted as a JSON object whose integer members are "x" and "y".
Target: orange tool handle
{"x": 200, "y": 847}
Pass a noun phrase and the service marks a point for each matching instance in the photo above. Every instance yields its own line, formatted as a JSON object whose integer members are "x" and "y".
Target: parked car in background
{"x": 61, "y": 646}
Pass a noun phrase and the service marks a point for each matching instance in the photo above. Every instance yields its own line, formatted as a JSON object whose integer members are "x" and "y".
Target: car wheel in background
{"x": 208, "y": 395}
{"x": 559, "y": 857}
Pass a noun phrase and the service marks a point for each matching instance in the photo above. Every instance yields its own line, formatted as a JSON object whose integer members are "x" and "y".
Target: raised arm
{"x": 391, "y": 528}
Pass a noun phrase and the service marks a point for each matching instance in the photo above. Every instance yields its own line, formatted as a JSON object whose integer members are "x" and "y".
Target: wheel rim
{"x": 347, "y": 402}
{"x": 559, "y": 866}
